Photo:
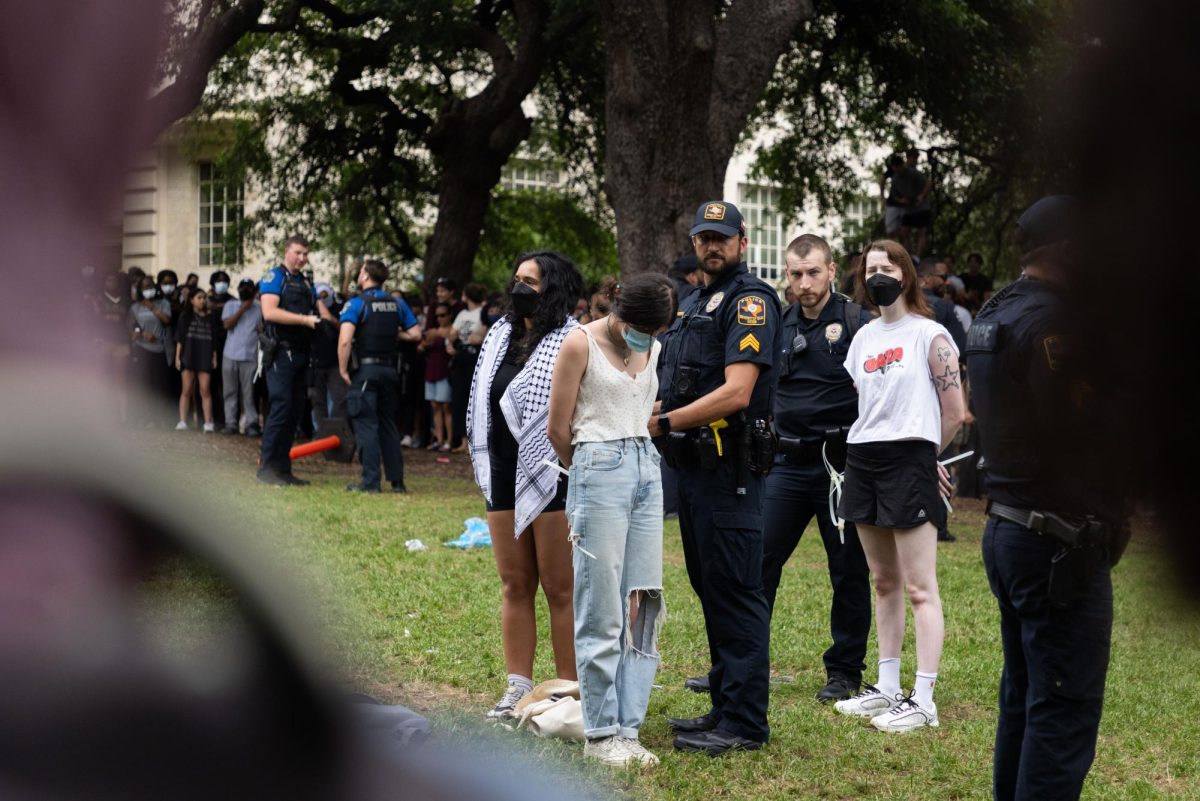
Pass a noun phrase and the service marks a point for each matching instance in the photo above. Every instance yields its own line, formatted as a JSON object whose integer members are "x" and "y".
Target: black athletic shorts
{"x": 892, "y": 485}
{"x": 504, "y": 488}
{"x": 917, "y": 219}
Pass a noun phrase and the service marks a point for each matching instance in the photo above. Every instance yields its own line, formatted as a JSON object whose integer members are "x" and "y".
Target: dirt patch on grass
{"x": 423, "y": 696}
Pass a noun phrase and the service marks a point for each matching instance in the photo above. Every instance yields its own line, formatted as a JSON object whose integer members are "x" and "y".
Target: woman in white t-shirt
{"x": 601, "y": 399}
{"x": 910, "y": 406}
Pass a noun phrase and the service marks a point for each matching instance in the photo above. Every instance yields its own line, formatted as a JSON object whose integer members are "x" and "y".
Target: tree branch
{"x": 750, "y": 40}
{"x": 213, "y": 38}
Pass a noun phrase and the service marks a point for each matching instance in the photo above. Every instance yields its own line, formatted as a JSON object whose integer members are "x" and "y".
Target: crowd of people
{"x": 591, "y": 415}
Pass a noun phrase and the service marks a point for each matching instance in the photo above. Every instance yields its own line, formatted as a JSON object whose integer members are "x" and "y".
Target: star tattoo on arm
{"x": 943, "y": 353}
{"x": 947, "y": 380}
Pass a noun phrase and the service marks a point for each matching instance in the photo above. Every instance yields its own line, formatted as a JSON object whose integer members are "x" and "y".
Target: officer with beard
{"x": 1056, "y": 513}
{"x": 715, "y": 380}
{"x": 815, "y": 405}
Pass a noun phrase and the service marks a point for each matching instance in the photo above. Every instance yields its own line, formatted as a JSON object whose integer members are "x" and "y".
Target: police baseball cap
{"x": 1054, "y": 218}
{"x": 719, "y": 216}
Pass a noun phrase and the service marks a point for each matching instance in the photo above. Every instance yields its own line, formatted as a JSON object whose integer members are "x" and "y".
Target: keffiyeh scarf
{"x": 526, "y": 408}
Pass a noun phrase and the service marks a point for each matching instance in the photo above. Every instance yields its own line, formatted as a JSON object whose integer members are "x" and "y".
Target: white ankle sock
{"x": 523, "y": 682}
{"x": 923, "y": 689}
{"x": 889, "y": 676}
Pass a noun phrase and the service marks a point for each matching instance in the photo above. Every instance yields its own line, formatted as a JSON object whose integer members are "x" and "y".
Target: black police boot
{"x": 271, "y": 477}
{"x": 291, "y": 480}
{"x": 398, "y": 486}
{"x": 697, "y": 684}
{"x": 715, "y": 742}
{"x": 944, "y": 535}
{"x": 692, "y": 725}
{"x": 838, "y": 688}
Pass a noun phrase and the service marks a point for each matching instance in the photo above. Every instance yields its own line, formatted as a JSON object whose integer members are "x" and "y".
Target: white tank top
{"x": 612, "y": 404}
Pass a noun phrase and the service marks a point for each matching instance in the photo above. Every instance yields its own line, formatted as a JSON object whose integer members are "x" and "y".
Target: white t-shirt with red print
{"x": 897, "y": 398}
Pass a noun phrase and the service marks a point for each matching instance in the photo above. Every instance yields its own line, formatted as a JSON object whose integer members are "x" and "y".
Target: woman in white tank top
{"x": 601, "y": 397}
{"x": 910, "y": 406}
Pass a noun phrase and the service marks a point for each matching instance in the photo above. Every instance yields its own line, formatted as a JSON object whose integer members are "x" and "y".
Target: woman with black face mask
{"x": 506, "y": 419}
{"x": 910, "y": 406}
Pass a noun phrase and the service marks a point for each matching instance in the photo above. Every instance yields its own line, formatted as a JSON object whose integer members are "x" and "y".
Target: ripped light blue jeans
{"x": 614, "y": 505}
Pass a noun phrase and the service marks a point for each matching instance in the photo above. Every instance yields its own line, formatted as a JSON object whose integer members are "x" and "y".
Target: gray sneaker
{"x": 505, "y": 708}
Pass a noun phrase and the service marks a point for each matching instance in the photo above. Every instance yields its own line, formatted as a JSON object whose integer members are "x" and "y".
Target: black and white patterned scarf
{"x": 526, "y": 408}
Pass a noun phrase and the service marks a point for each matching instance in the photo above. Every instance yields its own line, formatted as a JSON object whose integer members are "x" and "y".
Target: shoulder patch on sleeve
{"x": 267, "y": 276}
{"x": 750, "y": 342}
{"x": 752, "y": 310}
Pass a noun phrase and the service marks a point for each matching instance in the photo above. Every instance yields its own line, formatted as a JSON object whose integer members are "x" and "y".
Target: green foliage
{"x": 969, "y": 75}
{"x": 531, "y": 219}
{"x": 343, "y": 108}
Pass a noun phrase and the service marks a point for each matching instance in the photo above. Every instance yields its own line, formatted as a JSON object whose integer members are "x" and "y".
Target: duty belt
{"x": 1089, "y": 531}
{"x": 809, "y": 451}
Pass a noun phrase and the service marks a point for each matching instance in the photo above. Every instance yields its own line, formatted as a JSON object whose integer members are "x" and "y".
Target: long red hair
{"x": 914, "y": 298}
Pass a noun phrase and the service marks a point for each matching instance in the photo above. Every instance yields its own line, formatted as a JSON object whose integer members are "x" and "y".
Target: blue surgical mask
{"x": 221, "y": 287}
{"x": 637, "y": 341}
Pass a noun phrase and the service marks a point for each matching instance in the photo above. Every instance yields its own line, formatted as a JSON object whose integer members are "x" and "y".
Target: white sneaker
{"x": 209, "y": 428}
{"x": 445, "y": 447}
{"x": 619, "y": 752}
{"x": 406, "y": 442}
{"x": 906, "y": 716}
{"x": 639, "y": 753}
{"x": 869, "y": 703}
{"x": 181, "y": 426}
{"x": 506, "y": 706}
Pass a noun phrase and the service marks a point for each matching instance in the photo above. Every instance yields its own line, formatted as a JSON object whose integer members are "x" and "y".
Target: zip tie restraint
{"x": 835, "y": 495}
{"x": 952, "y": 460}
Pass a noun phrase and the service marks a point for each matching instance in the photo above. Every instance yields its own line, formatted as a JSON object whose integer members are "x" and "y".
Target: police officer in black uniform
{"x": 288, "y": 305}
{"x": 368, "y": 347}
{"x": 715, "y": 385}
{"x": 1056, "y": 516}
{"x": 815, "y": 405}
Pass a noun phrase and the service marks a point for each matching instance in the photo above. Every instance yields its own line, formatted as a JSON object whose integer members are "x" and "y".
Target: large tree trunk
{"x": 471, "y": 160}
{"x": 682, "y": 83}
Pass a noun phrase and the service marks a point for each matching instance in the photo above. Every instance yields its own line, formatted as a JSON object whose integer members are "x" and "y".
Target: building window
{"x": 221, "y": 207}
{"x": 857, "y": 221}
{"x": 764, "y": 227}
{"x": 520, "y": 174}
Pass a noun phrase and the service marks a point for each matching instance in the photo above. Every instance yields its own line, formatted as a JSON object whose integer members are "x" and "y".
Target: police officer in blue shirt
{"x": 372, "y": 325}
{"x": 716, "y": 375}
{"x": 1056, "y": 515}
{"x": 815, "y": 405}
{"x": 288, "y": 303}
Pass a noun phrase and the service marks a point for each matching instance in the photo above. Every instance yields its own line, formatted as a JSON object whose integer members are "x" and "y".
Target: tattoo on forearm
{"x": 943, "y": 354}
{"x": 947, "y": 380}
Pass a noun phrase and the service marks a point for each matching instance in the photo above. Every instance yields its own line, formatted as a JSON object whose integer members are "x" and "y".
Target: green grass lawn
{"x": 423, "y": 629}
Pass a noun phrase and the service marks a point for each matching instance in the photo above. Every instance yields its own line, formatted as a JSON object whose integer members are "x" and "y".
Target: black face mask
{"x": 524, "y": 300}
{"x": 883, "y": 290}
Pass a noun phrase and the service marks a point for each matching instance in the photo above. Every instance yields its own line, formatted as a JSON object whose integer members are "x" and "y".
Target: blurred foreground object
{"x": 141, "y": 655}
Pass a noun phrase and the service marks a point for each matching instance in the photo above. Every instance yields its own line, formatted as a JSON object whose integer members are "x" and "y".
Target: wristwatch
{"x": 664, "y": 424}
